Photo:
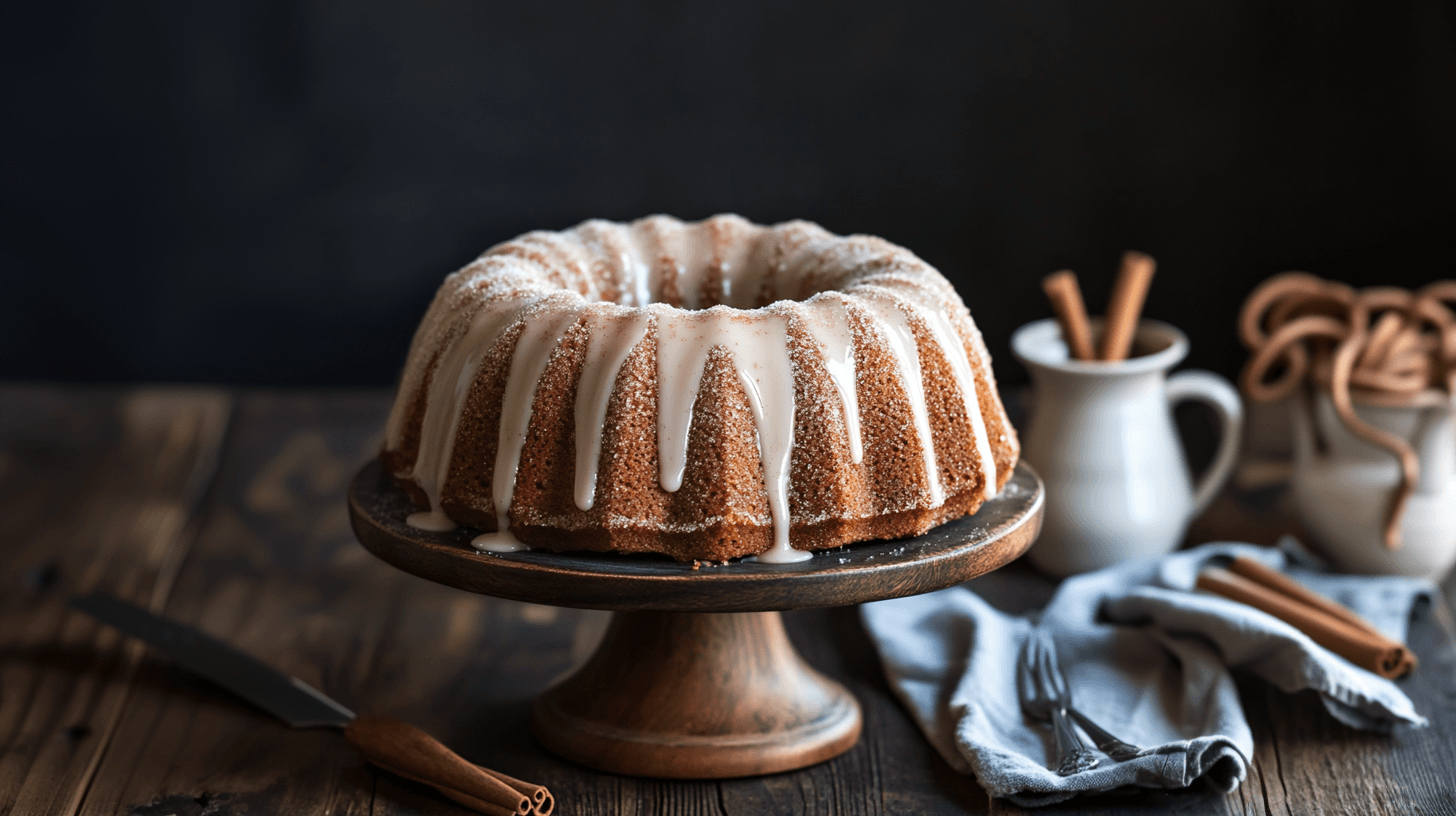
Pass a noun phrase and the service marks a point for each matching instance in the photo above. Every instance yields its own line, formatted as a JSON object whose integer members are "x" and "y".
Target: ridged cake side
{"x": 828, "y": 405}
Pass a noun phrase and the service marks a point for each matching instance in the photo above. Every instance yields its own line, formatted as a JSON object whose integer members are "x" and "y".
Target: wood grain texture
{"x": 274, "y": 568}
{"x": 1003, "y": 528}
{"x": 269, "y": 572}
{"x": 1305, "y": 762}
{"x": 99, "y": 490}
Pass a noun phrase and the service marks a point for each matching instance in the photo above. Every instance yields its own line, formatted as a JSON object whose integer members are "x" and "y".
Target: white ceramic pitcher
{"x": 1342, "y": 484}
{"x": 1102, "y": 437}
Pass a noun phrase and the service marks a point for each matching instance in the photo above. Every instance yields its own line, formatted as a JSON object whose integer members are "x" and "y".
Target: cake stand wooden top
{"x": 956, "y": 551}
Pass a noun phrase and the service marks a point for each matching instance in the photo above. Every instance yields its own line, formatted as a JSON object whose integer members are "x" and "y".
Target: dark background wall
{"x": 269, "y": 192}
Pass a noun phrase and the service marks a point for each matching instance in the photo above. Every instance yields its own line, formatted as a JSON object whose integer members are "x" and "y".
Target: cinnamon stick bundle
{"x": 1327, "y": 623}
{"x": 1124, "y": 309}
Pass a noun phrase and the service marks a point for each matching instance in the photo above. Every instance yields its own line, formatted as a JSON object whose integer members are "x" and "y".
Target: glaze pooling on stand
{"x": 690, "y": 289}
{"x": 500, "y": 541}
{"x": 431, "y": 521}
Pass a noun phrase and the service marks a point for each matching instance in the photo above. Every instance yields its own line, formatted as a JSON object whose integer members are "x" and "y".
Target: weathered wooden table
{"x": 225, "y": 510}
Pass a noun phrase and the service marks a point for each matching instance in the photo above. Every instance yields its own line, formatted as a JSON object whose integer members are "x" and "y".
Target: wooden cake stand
{"x": 696, "y": 678}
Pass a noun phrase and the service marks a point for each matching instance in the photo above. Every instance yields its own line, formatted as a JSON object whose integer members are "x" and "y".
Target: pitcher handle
{"x": 1216, "y": 392}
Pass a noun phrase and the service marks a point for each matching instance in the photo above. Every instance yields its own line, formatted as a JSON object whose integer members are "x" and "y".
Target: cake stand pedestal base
{"x": 687, "y": 695}
{"x": 696, "y": 678}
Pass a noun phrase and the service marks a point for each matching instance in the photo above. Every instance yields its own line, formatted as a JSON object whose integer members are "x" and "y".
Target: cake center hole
{"x": 703, "y": 285}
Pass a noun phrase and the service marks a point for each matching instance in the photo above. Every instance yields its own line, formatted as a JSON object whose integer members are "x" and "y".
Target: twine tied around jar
{"x": 1384, "y": 344}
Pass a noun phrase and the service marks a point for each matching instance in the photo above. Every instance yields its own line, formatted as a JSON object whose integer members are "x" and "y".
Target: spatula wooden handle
{"x": 405, "y": 750}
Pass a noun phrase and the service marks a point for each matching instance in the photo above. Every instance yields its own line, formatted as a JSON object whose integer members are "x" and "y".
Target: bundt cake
{"x": 704, "y": 390}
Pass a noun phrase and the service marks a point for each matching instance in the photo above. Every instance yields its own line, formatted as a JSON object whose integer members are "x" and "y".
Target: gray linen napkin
{"x": 1147, "y": 657}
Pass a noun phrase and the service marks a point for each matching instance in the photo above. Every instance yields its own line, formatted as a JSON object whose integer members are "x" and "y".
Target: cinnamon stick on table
{"x": 1066, "y": 297}
{"x": 541, "y": 800}
{"x": 1325, "y": 622}
{"x": 1126, "y": 305}
{"x": 1279, "y": 582}
{"x": 402, "y": 749}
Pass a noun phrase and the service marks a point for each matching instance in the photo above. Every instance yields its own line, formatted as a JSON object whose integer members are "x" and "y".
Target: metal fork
{"x": 1039, "y": 701}
{"x": 1106, "y": 743}
{"x": 1062, "y": 692}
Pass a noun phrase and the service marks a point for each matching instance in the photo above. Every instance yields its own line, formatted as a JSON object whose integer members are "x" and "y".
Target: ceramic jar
{"x": 1342, "y": 484}
{"x": 1101, "y": 435}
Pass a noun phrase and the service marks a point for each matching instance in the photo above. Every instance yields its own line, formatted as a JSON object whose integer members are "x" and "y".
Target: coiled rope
{"x": 1383, "y": 344}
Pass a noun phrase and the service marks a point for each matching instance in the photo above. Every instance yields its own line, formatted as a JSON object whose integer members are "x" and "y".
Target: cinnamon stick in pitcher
{"x": 1126, "y": 305}
{"x": 1066, "y": 297}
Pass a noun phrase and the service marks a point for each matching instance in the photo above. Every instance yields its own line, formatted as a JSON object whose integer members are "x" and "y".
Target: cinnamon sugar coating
{"x": 829, "y": 390}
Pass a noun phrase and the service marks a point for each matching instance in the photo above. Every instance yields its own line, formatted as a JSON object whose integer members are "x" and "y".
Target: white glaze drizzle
{"x": 543, "y": 333}
{"x": 636, "y": 270}
{"x": 613, "y": 334}
{"x": 829, "y": 325}
{"x": 609, "y": 259}
{"x": 645, "y": 239}
{"x": 900, "y": 341}
{"x": 442, "y": 313}
{"x": 683, "y": 245}
{"x": 732, "y": 247}
{"x": 960, "y": 366}
{"x": 759, "y": 348}
{"x": 449, "y": 386}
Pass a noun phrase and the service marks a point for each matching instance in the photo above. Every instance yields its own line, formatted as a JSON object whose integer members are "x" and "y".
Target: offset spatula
{"x": 393, "y": 745}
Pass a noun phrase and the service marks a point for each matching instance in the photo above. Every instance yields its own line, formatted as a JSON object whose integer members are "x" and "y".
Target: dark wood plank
{"x": 1421, "y": 764}
{"x": 99, "y": 489}
{"x": 892, "y": 769}
{"x": 1307, "y": 763}
{"x": 275, "y": 569}
{"x": 271, "y": 571}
